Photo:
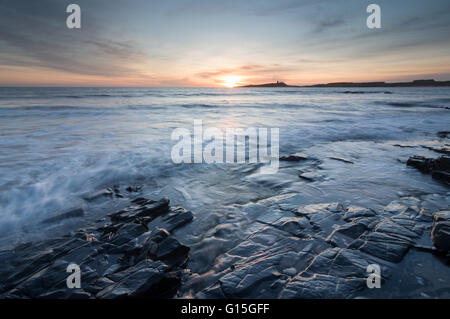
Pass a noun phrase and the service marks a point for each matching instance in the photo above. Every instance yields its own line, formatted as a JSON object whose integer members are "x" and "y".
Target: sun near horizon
{"x": 231, "y": 81}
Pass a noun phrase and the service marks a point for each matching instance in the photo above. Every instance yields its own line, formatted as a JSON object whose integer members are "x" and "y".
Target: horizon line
{"x": 210, "y": 87}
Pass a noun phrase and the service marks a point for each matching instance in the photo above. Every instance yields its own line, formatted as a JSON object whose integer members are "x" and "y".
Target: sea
{"x": 61, "y": 146}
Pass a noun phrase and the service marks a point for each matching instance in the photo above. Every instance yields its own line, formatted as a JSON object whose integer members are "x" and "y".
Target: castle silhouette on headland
{"x": 415, "y": 83}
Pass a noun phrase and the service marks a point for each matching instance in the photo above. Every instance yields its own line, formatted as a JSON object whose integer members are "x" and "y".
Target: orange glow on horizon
{"x": 231, "y": 81}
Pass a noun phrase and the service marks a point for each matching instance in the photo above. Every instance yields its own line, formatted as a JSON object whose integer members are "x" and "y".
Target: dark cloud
{"x": 239, "y": 7}
{"x": 248, "y": 71}
{"x": 347, "y": 38}
{"x": 331, "y": 23}
{"x": 35, "y": 34}
{"x": 279, "y": 7}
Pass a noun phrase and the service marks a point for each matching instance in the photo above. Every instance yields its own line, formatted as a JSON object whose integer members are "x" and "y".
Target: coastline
{"x": 415, "y": 83}
{"x": 290, "y": 250}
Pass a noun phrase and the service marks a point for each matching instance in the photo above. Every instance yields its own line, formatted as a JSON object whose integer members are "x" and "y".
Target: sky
{"x": 221, "y": 43}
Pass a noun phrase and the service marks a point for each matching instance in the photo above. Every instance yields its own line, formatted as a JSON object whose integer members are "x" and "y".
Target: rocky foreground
{"x": 288, "y": 251}
{"x": 313, "y": 251}
{"x": 322, "y": 251}
{"x": 134, "y": 255}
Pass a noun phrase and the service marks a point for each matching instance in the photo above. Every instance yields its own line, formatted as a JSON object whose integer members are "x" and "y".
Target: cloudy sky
{"x": 203, "y": 43}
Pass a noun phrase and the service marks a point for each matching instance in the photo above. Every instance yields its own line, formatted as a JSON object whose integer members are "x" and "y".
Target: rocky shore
{"x": 134, "y": 255}
{"x": 439, "y": 168}
{"x": 312, "y": 251}
{"x": 287, "y": 250}
{"x": 322, "y": 251}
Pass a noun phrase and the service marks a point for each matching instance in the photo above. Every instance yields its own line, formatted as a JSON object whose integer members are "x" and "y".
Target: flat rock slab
{"x": 121, "y": 259}
{"x": 324, "y": 252}
{"x": 73, "y": 213}
{"x": 440, "y": 234}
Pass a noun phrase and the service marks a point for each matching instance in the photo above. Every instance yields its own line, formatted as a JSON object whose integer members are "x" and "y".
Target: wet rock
{"x": 149, "y": 279}
{"x": 259, "y": 262}
{"x": 441, "y": 175}
{"x": 171, "y": 252}
{"x": 314, "y": 208}
{"x": 115, "y": 190}
{"x": 424, "y": 216}
{"x": 335, "y": 273}
{"x": 247, "y": 282}
{"x": 441, "y": 150}
{"x": 422, "y": 163}
{"x": 396, "y": 207}
{"x": 99, "y": 285}
{"x": 438, "y": 168}
{"x": 147, "y": 209}
{"x": 323, "y": 286}
{"x": 175, "y": 218}
{"x": 136, "y": 283}
{"x": 21, "y": 273}
{"x": 404, "y": 145}
{"x": 102, "y": 194}
{"x": 394, "y": 227}
{"x": 344, "y": 235}
{"x": 323, "y": 217}
{"x": 121, "y": 259}
{"x": 354, "y": 212}
{"x": 440, "y": 234}
{"x": 296, "y": 226}
{"x": 297, "y": 157}
{"x": 66, "y": 294}
{"x": 286, "y": 251}
{"x": 443, "y": 134}
{"x": 442, "y": 164}
{"x": 134, "y": 189}
{"x": 319, "y": 250}
{"x": 341, "y": 160}
{"x": 311, "y": 176}
{"x": 126, "y": 233}
{"x": 384, "y": 246}
{"x": 442, "y": 216}
{"x": 73, "y": 213}
{"x": 44, "y": 279}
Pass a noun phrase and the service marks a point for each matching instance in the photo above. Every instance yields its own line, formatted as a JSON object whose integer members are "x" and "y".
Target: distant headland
{"x": 415, "y": 83}
{"x": 268, "y": 85}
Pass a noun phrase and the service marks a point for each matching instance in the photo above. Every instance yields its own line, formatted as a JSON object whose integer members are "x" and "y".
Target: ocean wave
{"x": 412, "y": 105}
{"x": 52, "y": 108}
{"x": 365, "y": 92}
{"x": 442, "y": 100}
{"x": 60, "y": 186}
{"x": 195, "y": 105}
{"x": 145, "y": 107}
{"x": 81, "y": 96}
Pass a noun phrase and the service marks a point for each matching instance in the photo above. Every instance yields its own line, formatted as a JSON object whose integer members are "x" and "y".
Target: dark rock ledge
{"x": 322, "y": 250}
{"x": 439, "y": 168}
{"x": 134, "y": 255}
{"x": 286, "y": 251}
{"x": 440, "y": 234}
